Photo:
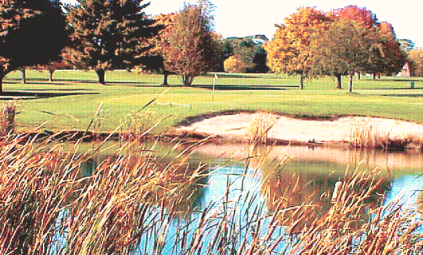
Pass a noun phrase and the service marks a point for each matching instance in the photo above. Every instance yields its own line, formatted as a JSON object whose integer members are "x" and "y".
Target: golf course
{"x": 72, "y": 100}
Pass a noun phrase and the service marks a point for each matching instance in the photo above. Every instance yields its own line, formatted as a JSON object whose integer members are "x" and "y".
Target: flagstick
{"x": 214, "y": 85}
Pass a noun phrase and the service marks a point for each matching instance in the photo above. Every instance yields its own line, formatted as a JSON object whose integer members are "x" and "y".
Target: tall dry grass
{"x": 260, "y": 125}
{"x": 366, "y": 134}
{"x": 133, "y": 199}
{"x": 35, "y": 184}
{"x": 7, "y": 118}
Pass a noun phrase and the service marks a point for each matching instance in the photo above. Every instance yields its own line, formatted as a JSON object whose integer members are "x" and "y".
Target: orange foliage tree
{"x": 363, "y": 17}
{"x": 192, "y": 49}
{"x": 289, "y": 51}
{"x": 386, "y": 55}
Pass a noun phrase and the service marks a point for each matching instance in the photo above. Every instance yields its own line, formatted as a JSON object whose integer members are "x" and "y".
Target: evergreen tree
{"x": 31, "y": 32}
{"x": 107, "y": 33}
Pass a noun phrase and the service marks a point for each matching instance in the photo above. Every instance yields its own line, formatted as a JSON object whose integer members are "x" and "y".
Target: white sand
{"x": 290, "y": 129}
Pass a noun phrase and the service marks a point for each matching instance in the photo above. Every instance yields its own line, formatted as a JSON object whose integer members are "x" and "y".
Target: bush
{"x": 235, "y": 64}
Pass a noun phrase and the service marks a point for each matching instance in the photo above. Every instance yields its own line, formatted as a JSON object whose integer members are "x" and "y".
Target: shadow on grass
{"x": 397, "y": 80}
{"x": 21, "y": 95}
{"x": 59, "y": 89}
{"x": 403, "y": 88}
{"x": 245, "y": 87}
{"x": 67, "y": 81}
{"x": 402, "y": 95}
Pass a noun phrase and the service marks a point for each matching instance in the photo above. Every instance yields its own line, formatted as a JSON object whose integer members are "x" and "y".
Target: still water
{"x": 244, "y": 190}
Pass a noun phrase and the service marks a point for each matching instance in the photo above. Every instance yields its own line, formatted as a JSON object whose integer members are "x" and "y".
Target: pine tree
{"x": 107, "y": 33}
{"x": 31, "y": 32}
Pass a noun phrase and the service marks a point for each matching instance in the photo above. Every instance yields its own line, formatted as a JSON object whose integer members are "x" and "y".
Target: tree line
{"x": 104, "y": 35}
{"x": 346, "y": 41}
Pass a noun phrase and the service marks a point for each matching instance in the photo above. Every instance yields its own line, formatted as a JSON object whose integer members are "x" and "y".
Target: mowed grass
{"x": 70, "y": 102}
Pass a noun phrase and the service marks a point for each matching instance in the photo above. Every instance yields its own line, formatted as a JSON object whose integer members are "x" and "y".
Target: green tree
{"x": 406, "y": 44}
{"x": 106, "y": 34}
{"x": 289, "y": 51}
{"x": 192, "y": 49}
{"x": 342, "y": 49}
{"x": 31, "y": 32}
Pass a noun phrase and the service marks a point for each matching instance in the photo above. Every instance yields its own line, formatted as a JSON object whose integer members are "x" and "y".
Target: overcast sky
{"x": 242, "y": 18}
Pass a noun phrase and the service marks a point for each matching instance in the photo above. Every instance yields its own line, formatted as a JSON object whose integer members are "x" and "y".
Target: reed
{"x": 36, "y": 182}
{"x": 366, "y": 134}
{"x": 136, "y": 203}
{"x": 260, "y": 125}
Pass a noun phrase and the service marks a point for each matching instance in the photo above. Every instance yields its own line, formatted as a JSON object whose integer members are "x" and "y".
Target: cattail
{"x": 338, "y": 186}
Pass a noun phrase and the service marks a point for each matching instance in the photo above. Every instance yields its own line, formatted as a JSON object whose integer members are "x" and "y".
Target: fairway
{"x": 72, "y": 99}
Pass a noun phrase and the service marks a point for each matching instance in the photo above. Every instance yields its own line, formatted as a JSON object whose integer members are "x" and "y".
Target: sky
{"x": 242, "y": 18}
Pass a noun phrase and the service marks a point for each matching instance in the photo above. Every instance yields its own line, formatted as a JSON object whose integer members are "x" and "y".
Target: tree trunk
{"x": 187, "y": 80}
{"x": 1, "y": 80}
{"x": 351, "y": 81}
{"x": 51, "y": 75}
{"x": 101, "y": 76}
{"x": 374, "y": 76}
{"x": 302, "y": 82}
{"x": 378, "y": 76}
{"x": 23, "y": 70}
{"x": 165, "y": 76}
{"x": 359, "y": 76}
{"x": 339, "y": 80}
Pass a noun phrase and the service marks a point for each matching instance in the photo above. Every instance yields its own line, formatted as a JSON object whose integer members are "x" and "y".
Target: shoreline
{"x": 242, "y": 127}
{"x": 347, "y": 131}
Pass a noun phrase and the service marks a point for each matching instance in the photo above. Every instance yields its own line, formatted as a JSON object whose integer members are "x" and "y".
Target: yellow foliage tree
{"x": 289, "y": 52}
{"x": 235, "y": 64}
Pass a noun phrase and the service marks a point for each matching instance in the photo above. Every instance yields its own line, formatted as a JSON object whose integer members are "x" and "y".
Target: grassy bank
{"x": 70, "y": 102}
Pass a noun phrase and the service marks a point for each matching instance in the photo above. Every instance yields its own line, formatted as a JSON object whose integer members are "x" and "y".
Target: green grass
{"x": 70, "y": 102}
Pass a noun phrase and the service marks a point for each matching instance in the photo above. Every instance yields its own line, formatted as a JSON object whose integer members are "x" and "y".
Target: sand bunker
{"x": 342, "y": 130}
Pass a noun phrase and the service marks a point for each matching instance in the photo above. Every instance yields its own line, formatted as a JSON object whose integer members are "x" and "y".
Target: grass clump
{"x": 260, "y": 125}
{"x": 366, "y": 134}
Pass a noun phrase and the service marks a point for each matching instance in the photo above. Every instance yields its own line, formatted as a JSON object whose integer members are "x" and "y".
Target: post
{"x": 214, "y": 85}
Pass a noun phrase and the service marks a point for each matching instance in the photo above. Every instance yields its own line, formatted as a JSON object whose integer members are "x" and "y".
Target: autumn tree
{"x": 340, "y": 50}
{"x": 158, "y": 45}
{"x": 289, "y": 51}
{"x": 191, "y": 46}
{"x": 386, "y": 53}
{"x": 31, "y": 32}
{"x": 362, "y": 17}
{"x": 416, "y": 57}
{"x": 106, "y": 34}
{"x": 235, "y": 64}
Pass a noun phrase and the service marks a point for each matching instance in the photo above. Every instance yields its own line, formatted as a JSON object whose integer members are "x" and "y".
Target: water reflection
{"x": 307, "y": 180}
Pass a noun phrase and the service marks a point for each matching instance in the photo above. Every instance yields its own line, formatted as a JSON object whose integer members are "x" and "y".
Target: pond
{"x": 240, "y": 191}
